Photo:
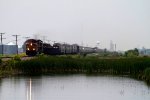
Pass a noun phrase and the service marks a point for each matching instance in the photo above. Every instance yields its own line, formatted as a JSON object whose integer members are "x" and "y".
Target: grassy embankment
{"x": 7, "y": 67}
{"x": 139, "y": 66}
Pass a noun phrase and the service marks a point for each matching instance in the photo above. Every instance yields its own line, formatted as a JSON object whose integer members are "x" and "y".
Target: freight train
{"x": 35, "y": 46}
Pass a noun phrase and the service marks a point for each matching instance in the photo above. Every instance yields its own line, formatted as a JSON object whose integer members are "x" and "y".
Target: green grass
{"x": 8, "y": 67}
{"x": 147, "y": 74}
{"x": 81, "y": 64}
{"x": 138, "y": 66}
{"x": 12, "y": 55}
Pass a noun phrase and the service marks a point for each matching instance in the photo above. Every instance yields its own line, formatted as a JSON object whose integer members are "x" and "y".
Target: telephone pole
{"x": 2, "y": 41}
{"x": 16, "y": 42}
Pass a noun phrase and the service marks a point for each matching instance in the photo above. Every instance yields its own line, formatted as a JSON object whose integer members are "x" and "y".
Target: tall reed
{"x": 88, "y": 65}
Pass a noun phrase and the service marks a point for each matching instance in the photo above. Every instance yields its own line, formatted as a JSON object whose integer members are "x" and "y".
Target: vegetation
{"x": 8, "y": 67}
{"x": 134, "y": 66}
{"x": 147, "y": 74}
{"x": 132, "y": 53}
{"x": 17, "y": 58}
{"x": 12, "y": 55}
{"x": 0, "y": 60}
{"x": 67, "y": 64}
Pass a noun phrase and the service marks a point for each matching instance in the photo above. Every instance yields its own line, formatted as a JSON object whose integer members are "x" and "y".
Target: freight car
{"x": 34, "y": 47}
{"x": 66, "y": 48}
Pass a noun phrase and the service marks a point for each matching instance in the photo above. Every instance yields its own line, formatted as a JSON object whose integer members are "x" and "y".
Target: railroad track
{"x": 27, "y": 58}
{"x": 22, "y": 58}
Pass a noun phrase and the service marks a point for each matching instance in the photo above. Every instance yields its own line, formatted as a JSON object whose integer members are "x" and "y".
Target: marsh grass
{"x": 147, "y": 74}
{"x": 81, "y": 64}
{"x": 138, "y": 66}
{"x": 7, "y": 67}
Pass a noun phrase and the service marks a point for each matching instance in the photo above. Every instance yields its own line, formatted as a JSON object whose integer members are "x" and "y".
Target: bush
{"x": 17, "y": 58}
{"x": 147, "y": 74}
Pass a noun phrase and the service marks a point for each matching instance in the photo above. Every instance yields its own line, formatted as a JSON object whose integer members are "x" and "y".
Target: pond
{"x": 73, "y": 87}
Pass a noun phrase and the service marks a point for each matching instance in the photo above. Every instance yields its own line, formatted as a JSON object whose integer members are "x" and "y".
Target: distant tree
{"x": 132, "y": 53}
{"x": 105, "y": 50}
{"x": 136, "y": 52}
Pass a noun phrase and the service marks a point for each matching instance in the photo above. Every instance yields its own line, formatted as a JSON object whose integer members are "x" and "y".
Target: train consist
{"x": 34, "y": 47}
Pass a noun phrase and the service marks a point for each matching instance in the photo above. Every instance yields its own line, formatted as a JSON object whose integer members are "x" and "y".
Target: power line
{"x": 16, "y": 42}
{"x": 27, "y": 37}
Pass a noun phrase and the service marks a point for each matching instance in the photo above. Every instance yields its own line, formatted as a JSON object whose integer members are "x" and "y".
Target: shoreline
{"x": 138, "y": 68}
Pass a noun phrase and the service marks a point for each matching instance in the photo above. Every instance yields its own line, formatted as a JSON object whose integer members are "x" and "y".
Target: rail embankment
{"x": 138, "y": 67}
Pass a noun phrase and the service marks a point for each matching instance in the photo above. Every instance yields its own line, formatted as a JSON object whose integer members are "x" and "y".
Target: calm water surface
{"x": 73, "y": 87}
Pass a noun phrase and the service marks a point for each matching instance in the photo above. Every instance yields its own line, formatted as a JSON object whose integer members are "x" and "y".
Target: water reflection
{"x": 73, "y": 87}
{"x": 29, "y": 90}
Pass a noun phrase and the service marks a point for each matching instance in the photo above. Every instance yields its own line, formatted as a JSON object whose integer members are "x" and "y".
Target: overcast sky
{"x": 125, "y": 22}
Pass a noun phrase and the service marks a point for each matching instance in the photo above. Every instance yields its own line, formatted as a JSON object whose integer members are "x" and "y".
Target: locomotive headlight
{"x": 31, "y": 44}
{"x": 33, "y": 48}
{"x": 28, "y": 49}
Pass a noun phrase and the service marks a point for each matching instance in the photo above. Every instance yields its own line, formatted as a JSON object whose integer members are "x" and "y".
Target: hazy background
{"x": 125, "y": 22}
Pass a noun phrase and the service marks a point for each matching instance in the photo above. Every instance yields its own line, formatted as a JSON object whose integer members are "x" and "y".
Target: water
{"x": 73, "y": 87}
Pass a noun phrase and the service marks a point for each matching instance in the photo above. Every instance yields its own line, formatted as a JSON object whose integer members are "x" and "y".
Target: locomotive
{"x": 35, "y": 46}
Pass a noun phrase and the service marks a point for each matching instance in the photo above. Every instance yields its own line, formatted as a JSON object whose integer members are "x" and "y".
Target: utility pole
{"x": 2, "y": 41}
{"x": 48, "y": 41}
{"x": 115, "y": 47}
{"x": 16, "y": 42}
{"x": 44, "y": 38}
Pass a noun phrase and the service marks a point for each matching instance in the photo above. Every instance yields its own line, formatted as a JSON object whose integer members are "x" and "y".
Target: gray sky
{"x": 125, "y": 22}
